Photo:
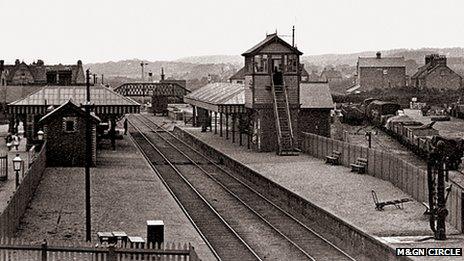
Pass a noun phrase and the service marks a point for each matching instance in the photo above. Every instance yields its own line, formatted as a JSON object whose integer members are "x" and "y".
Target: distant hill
{"x": 197, "y": 68}
{"x": 230, "y": 59}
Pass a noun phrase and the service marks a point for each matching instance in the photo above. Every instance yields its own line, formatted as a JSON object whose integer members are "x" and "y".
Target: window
{"x": 69, "y": 124}
{"x": 261, "y": 63}
{"x": 291, "y": 63}
{"x": 385, "y": 72}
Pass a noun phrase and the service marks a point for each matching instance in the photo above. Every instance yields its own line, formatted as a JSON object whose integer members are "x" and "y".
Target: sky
{"x": 64, "y": 31}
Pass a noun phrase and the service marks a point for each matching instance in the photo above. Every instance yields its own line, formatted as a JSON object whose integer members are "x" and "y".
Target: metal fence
{"x": 17, "y": 204}
{"x": 389, "y": 167}
{"x": 18, "y": 250}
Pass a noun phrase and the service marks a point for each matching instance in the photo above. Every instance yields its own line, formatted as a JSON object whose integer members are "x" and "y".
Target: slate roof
{"x": 269, "y": 39}
{"x": 69, "y": 105}
{"x": 315, "y": 96}
{"x": 381, "y": 62}
{"x": 239, "y": 75}
{"x": 219, "y": 93}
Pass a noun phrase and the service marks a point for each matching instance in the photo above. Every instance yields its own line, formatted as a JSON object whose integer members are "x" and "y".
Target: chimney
{"x": 40, "y": 62}
{"x": 17, "y": 62}
{"x": 378, "y": 55}
{"x": 2, "y": 63}
{"x": 162, "y": 74}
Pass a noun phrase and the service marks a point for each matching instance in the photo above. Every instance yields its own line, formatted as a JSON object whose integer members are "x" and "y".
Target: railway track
{"x": 258, "y": 225}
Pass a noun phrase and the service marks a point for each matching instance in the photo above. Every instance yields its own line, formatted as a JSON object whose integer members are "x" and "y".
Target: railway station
{"x": 249, "y": 169}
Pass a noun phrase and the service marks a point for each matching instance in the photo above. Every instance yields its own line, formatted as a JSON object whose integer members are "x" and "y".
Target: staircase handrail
{"x": 276, "y": 112}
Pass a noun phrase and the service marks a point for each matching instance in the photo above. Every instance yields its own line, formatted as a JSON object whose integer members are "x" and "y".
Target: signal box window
{"x": 291, "y": 63}
{"x": 261, "y": 63}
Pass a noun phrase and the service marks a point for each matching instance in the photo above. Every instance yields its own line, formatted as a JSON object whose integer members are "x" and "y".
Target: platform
{"x": 125, "y": 194}
{"x": 339, "y": 191}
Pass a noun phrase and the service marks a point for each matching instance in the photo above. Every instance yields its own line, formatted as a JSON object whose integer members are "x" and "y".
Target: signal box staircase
{"x": 285, "y": 138}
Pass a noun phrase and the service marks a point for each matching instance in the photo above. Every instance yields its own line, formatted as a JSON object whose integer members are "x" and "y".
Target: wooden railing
{"x": 17, "y": 204}
{"x": 277, "y": 119}
{"x": 13, "y": 249}
{"x": 289, "y": 117}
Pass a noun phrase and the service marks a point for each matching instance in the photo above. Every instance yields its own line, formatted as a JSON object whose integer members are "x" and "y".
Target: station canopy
{"x": 104, "y": 100}
{"x": 219, "y": 97}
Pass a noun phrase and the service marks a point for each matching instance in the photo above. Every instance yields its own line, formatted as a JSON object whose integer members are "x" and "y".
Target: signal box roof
{"x": 270, "y": 38}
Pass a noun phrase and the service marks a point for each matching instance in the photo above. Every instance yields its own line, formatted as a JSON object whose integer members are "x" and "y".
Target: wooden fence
{"x": 17, "y": 204}
{"x": 389, "y": 167}
{"x": 18, "y": 250}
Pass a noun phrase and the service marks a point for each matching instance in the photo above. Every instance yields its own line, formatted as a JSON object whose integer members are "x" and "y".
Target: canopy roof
{"x": 218, "y": 97}
{"x": 104, "y": 100}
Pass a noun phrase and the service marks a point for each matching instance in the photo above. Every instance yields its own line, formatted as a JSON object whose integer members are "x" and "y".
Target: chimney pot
{"x": 378, "y": 55}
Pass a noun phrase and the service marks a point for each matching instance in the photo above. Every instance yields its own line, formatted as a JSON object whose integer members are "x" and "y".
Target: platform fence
{"x": 389, "y": 167}
{"x": 14, "y": 249}
{"x": 17, "y": 204}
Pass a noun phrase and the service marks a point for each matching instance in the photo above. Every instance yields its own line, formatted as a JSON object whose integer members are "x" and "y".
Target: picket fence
{"x": 13, "y": 249}
{"x": 389, "y": 167}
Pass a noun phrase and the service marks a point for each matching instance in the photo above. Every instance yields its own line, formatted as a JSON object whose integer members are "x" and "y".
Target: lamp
{"x": 17, "y": 162}
{"x": 40, "y": 135}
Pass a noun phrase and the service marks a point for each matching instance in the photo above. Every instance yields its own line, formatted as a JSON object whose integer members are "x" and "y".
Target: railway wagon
{"x": 376, "y": 109}
{"x": 352, "y": 113}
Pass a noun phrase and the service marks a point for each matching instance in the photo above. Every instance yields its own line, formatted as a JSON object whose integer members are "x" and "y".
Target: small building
{"x": 238, "y": 77}
{"x": 436, "y": 74}
{"x": 37, "y": 73}
{"x": 311, "y": 77}
{"x": 330, "y": 75}
{"x": 107, "y": 105}
{"x": 64, "y": 132}
{"x": 380, "y": 72}
{"x": 316, "y": 105}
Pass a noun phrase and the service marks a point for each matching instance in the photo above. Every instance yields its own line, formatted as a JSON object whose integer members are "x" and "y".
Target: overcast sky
{"x": 103, "y": 30}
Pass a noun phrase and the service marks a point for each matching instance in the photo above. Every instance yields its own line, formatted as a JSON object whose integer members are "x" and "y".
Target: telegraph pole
{"x": 88, "y": 160}
{"x": 436, "y": 185}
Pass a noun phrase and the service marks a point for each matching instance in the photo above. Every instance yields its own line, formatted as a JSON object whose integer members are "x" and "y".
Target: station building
{"x": 43, "y": 107}
{"x": 267, "y": 107}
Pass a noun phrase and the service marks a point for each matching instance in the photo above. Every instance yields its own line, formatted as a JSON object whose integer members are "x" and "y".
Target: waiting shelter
{"x": 107, "y": 105}
{"x": 63, "y": 127}
{"x": 221, "y": 105}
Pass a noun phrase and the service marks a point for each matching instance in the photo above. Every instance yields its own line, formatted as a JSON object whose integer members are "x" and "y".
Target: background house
{"x": 380, "y": 72}
{"x": 37, "y": 73}
{"x": 436, "y": 74}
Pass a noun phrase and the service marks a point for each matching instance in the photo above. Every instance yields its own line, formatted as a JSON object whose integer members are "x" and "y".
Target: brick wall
{"x": 67, "y": 148}
{"x": 442, "y": 78}
{"x": 374, "y": 77}
{"x": 315, "y": 121}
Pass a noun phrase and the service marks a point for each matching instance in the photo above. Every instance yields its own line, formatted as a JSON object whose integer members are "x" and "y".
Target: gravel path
{"x": 125, "y": 193}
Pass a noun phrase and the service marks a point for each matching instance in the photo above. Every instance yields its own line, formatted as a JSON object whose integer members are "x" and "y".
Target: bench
{"x": 359, "y": 166}
{"x": 333, "y": 159}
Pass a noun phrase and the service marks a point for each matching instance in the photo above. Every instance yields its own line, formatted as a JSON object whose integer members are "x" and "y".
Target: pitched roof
{"x": 57, "y": 95}
{"x": 381, "y": 62}
{"x": 270, "y": 38}
{"x": 69, "y": 105}
{"x": 239, "y": 75}
{"x": 331, "y": 73}
{"x": 219, "y": 93}
{"x": 315, "y": 96}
